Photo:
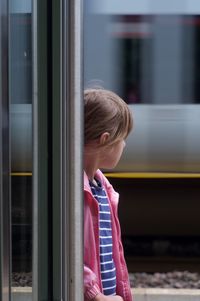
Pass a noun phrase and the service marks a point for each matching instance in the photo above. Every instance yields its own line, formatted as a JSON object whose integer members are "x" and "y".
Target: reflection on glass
{"x": 20, "y": 62}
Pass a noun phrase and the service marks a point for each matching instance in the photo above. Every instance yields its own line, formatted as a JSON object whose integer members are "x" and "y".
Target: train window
{"x": 159, "y": 58}
{"x": 147, "y": 52}
{"x": 20, "y": 91}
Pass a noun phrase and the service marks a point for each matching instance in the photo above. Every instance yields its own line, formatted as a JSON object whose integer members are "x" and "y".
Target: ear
{"x": 104, "y": 138}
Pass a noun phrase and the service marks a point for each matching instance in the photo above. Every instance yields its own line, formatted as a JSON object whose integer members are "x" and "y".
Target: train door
{"x": 40, "y": 165}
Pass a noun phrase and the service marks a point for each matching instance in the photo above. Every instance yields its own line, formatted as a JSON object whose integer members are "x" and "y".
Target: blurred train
{"x": 150, "y": 56}
{"x": 165, "y": 139}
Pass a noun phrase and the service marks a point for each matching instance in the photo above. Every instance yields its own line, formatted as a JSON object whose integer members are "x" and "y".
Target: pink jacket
{"x": 92, "y": 279}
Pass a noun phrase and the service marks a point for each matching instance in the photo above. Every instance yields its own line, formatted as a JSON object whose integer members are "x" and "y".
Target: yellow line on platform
{"x": 152, "y": 175}
{"x": 21, "y": 174}
{"x": 133, "y": 175}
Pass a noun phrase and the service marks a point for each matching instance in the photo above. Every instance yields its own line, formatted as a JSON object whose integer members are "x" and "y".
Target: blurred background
{"x": 148, "y": 52}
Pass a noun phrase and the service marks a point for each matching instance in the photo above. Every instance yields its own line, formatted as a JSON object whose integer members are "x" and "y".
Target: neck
{"x": 90, "y": 171}
{"x": 91, "y": 164}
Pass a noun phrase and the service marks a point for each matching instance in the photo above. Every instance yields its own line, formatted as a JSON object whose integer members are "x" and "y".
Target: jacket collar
{"x": 86, "y": 180}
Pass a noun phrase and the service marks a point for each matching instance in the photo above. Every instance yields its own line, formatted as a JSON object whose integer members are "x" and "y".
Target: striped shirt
{"x": 108, "y": 271}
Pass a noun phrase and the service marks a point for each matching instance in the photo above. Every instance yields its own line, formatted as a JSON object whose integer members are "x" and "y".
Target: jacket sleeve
{"x": 125, "y": 283}
{"x": 124, "y": 289}
{"x": 91, "y": 284}
{"x": 91, "y": 288}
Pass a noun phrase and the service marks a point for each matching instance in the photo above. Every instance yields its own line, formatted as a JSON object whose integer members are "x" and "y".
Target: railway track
{"x": 162, "y": 254}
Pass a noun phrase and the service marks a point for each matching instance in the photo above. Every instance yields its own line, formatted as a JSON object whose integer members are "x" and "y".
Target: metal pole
{"x": 72, "y": 146}
{"x": 35, "y": 151}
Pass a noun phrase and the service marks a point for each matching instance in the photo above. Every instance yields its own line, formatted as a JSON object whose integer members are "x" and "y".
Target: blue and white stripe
{"x": 108, "y": 271}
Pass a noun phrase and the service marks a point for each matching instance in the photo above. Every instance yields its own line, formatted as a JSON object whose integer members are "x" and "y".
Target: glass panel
{"x": 20, "y": 67}
{"x": 4, "y": 158}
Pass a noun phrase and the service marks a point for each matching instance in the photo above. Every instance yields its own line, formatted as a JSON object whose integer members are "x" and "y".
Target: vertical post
{"x": 35, "y": 294}
{"x": 72, "y": 146}
{"x": 4, "y": 158}
{"x": 41, "y": 34}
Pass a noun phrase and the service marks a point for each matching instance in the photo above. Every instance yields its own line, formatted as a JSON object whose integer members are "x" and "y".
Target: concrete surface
{"x": 139, "y": 294}
{"x": 161, "y": 294}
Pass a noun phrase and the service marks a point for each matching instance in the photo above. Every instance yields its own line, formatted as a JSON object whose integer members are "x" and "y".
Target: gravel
{"x": 174, "y": 279}
{"x": 22, "y": 279}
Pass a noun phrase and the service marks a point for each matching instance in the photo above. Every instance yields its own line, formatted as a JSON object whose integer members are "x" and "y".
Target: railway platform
{"x": 140, "y": 294}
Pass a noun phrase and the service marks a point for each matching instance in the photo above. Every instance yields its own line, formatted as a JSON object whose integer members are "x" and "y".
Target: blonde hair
{"x": 104, "y": 111}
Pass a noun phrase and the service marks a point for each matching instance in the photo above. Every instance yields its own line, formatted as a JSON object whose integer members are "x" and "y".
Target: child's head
{"x": 105, "y": 112}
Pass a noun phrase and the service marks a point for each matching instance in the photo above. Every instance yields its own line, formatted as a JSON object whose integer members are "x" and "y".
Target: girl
{"x": 108, "y": 122}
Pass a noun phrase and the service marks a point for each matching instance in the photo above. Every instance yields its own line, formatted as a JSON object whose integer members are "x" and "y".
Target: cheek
{"x": 121, "y": 148}
{"x": 117, "y": 152}
{"x": 121, "y": 151}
